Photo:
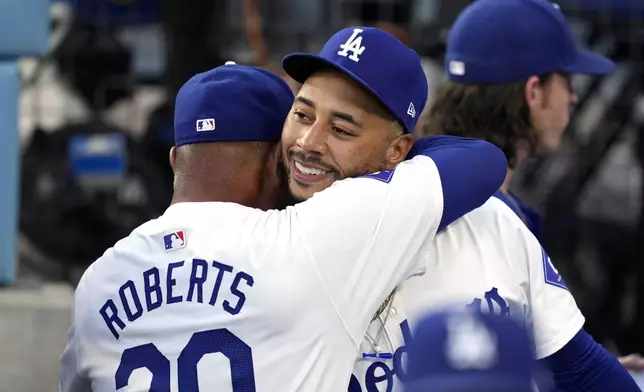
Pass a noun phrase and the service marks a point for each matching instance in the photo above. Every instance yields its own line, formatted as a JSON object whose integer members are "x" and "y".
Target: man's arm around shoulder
{"x": 471, "y": 170}
{"x": 365, "y": 234}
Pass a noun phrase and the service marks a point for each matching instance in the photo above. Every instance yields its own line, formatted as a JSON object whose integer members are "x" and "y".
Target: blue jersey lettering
{"x": 127, "y": 306}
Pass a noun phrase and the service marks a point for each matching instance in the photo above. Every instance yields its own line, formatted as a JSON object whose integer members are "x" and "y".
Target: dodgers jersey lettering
{"x": 220, "y": 297}
{"x": 488, "y": 260}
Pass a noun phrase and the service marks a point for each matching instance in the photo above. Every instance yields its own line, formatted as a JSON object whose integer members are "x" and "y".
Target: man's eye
{"x": 341, "y": 132}
{"x": 300, "y": 116}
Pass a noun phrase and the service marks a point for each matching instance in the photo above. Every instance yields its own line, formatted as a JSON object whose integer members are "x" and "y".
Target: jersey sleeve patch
{"x": 174, "y": 241}
{"x": 384, "y": 175}
{"x": 551, "y": 274}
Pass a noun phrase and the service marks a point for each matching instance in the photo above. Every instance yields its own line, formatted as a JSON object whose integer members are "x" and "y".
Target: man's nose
{"x": 313, "y": 139}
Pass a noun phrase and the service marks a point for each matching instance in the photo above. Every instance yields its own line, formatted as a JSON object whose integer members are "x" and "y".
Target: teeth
{"x": 309, "y": 170}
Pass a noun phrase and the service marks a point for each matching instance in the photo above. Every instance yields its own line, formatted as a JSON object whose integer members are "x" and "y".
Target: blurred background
{"x": 95, "y": 127}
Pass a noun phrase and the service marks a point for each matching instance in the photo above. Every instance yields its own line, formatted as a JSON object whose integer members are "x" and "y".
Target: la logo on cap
{"x": 353, "y": 45}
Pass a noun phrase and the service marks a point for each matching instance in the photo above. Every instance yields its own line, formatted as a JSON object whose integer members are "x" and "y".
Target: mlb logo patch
{"x": 457, "y": 68}
{"x": 206, "y": 124}
{"x": 174, "y": 241}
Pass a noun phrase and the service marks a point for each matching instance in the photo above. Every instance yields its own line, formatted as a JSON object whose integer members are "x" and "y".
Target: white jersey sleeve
{"x": 554, "y": 314}
{"x": 365, "y": 234}
{"x": 71, "y": 378}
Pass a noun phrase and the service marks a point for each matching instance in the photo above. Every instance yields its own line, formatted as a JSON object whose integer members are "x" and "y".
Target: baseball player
{"x": 459, "y": 351}
{"x": 512, "y": 87}
{"x": 217, "y": 296}
{"x": 522, "y": 104}
{"x": 488, "y": 260}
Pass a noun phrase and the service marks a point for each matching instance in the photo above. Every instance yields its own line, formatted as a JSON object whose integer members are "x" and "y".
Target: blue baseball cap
{"x": 467, "y": 351}
{"x": 231, "y": 103}
{"x": 377, "y": 61}
{"x": 498, "y": 41}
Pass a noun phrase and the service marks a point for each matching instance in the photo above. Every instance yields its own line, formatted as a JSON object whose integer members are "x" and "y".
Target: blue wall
{"x": 24, "y": 31}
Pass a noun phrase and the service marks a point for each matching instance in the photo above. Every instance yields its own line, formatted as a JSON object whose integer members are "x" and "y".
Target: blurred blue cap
{"x": 462, "y": 351}
{"x": 376, "y": 60}
{"x": 231, "y": 103}
{"x": 497, "y": 41}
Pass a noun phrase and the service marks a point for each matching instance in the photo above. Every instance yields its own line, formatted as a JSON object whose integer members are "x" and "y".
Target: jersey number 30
{"x": 201, "y": 343}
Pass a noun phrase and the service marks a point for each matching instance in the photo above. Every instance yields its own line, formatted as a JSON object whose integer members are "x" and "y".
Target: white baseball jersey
{"x": 221, "y": 297}
{"x": 488, "y": 260}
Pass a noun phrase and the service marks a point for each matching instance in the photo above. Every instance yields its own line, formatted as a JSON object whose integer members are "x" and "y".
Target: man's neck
{"x": 181, "y": 198}
{"x": 520, "y": 157}
{"x": 505, "y": 187}
{"x": 200, "y": 195}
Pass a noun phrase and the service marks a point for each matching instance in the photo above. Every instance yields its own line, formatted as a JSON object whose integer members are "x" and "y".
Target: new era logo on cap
{"x": 411, "y": 110}
{"x": 174, "y": 241}
{"x": 206, "y": 124}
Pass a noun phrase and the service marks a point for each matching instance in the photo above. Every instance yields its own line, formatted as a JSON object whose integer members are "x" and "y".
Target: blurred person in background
{"x": 323, "y": 143}
{"x": 509, "y": 65}
{"x": 513, "y": 88}
{"x": 459, "y": 351}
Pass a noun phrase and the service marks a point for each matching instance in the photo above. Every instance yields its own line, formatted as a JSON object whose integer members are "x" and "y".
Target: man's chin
{"x": 301, "y": 192}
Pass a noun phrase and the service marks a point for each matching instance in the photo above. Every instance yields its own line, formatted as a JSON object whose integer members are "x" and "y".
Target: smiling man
{"x": 359, "y": 125}
{"x": 343, "y": 126}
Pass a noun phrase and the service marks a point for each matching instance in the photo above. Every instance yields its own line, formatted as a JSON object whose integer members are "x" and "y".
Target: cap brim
{"x": 300, "y": 66}
{"x": 468, "y": 383}
{"x": 589, "y": 63}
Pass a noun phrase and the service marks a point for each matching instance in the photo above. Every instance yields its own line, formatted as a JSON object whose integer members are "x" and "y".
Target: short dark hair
{"x": 497, "y": 113}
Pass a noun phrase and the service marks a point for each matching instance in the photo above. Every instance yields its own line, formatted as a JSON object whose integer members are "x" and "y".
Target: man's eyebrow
{"x": 347, "y": 117}
{"x": 305, "y": 101}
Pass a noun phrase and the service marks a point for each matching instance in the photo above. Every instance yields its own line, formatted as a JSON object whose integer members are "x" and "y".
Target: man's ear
{"x": 173, "y": 157}
{"x": 534, "y": 93}
{"x": 398, "y": 150}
